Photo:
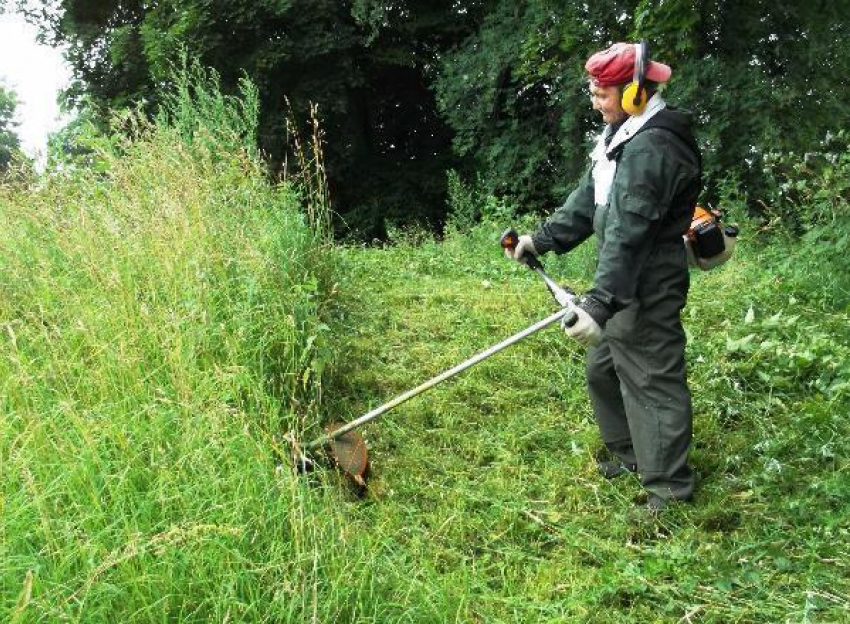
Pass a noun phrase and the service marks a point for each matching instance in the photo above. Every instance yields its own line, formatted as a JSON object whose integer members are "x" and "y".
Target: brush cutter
{"x": 346, "y": 446}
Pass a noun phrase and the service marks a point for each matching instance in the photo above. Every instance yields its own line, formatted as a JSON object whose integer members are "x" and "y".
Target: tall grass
{"x": 160, "y": 333}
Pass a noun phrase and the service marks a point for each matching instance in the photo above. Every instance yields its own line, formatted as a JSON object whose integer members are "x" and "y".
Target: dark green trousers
{"x": 637, "y": 381}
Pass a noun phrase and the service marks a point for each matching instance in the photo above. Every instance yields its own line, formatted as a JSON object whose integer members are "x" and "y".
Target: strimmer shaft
{"x": 383, "y": 409}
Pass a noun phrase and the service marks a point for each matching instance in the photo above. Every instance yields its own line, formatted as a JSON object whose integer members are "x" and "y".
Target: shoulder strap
{"x": 683, "y": 133}
{"x": 687, "y": 197}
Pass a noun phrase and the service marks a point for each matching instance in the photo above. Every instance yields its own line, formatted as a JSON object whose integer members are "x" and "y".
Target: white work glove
{"x": 524, "y": 247}
{"x": 584, "y": 330}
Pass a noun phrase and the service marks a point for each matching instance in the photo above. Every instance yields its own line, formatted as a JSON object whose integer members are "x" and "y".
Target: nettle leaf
{"x": 724, "y": 584}
{"x": 741, "y": 344}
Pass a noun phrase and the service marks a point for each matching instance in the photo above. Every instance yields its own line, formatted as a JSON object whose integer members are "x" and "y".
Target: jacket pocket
{"x": 637, "y": 204}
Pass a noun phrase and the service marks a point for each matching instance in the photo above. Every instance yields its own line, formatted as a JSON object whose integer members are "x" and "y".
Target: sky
{"x": 36, "y": 73}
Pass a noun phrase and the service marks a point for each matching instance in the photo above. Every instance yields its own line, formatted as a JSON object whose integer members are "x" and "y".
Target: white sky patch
{"x": 36, "y": 73}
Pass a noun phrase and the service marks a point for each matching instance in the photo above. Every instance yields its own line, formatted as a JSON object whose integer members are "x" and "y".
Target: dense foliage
{"x": 365, "y": 63}
{"x": 760, "y": 77}
{"x": 9, "y": 142}
{"x": 492, "y": 88}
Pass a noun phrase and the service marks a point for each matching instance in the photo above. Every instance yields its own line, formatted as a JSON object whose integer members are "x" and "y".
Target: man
{"x": 637, "y": 196}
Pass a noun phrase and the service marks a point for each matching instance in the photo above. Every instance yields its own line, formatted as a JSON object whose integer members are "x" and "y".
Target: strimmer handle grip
{"x": 509, "y": 241}
{"x": 570, "y": 319}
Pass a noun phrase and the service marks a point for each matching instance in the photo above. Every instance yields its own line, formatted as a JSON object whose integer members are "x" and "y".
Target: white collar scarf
{"x": 636, "y": 122}
{"x": 604, "y": 168}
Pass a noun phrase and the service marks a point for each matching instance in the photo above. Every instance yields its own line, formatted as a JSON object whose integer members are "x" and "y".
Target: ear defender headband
{"x": 634, "y": 96}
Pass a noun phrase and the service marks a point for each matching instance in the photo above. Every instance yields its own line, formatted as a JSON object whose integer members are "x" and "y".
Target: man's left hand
{"x": 523, "y": 249}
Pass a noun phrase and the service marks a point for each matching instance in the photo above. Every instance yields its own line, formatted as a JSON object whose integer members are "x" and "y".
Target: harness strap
{"x": 687, "y": 197}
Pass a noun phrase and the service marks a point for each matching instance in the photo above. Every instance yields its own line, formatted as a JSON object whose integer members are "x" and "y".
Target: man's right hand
{"x": 523, "y": 249}
{"x": 584, "y": 328}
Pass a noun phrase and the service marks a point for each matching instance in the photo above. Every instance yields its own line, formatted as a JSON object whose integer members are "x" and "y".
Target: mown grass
{"x": 485, "y": 488}
{"x": 168, "y": 318}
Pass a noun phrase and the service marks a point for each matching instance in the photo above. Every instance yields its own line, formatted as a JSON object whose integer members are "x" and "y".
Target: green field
{"x": 169, "y": 319}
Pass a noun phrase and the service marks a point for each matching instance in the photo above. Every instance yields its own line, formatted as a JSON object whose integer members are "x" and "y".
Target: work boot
{"x": 655, "y": 504}
{"x": 614, "y": 468}
{"x": 648, "y": 511}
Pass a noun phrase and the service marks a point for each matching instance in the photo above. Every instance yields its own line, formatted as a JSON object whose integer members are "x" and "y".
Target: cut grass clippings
{"x": 486, "y": 485}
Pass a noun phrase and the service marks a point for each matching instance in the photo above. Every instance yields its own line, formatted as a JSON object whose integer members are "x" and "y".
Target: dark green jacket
{"x": 650, "y": 204}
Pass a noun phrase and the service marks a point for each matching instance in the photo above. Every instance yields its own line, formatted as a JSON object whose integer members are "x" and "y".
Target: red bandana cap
{"x": 616, "y": 66}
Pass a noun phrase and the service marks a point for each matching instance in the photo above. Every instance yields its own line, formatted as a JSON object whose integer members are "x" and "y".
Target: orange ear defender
{"x": 634, "y": 96}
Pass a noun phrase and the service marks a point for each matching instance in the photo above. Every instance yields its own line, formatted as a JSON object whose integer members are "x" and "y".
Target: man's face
{"x": 606, "y": 100}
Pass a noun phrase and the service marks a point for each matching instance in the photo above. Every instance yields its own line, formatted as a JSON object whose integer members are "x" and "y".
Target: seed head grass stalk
{"x": 160, "y": 334}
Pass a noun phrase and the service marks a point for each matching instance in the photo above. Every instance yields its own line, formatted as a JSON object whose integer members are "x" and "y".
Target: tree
{"x": 514, "y": 93}
{"x": 367, "y": 65}
{"x": 493, "y": 88}
{"x": 9, "y": 142}
{"x": 761, "y": 76}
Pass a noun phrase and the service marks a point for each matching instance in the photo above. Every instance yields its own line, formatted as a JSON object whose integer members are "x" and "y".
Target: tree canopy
{"x": 366, "y": 64}
{"x": 491, "y": 88}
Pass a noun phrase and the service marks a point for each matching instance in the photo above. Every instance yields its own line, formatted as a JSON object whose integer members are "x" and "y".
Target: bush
{"x": 811, "y": 190}
{"x": 806, "y": 220}
{"x": 471, "y": 204}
